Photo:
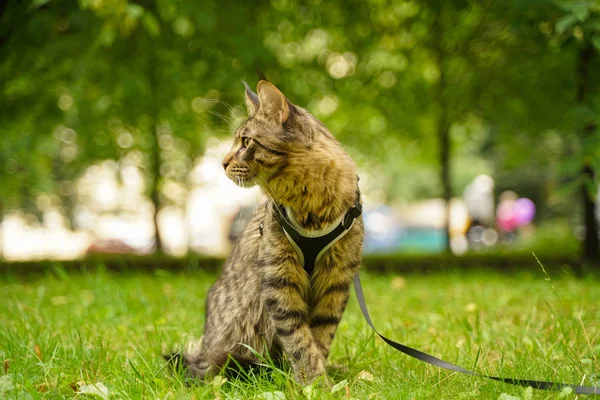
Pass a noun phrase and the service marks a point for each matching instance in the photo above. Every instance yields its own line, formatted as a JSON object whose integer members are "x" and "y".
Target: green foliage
{"x": 153, "y": 80}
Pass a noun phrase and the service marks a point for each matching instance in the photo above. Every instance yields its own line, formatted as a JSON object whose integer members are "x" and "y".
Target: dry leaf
{"x": 38, "y": 351}
{"x": 309, "y": 391}
{"x": 506, "y": 396}
{"x": 97, "y": 389}
{"x": 6, "y": 366}
{"x": 398, "y": 282}
{"x": 76, "y": 385}
{"x": 339, "y": 386}
{"x": 365, "y": 376}
{"x": 6, "y": 384}
{"x": 42, "y": 388}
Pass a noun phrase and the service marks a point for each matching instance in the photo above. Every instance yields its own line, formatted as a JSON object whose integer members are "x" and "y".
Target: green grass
{"x": 63, "y": 328}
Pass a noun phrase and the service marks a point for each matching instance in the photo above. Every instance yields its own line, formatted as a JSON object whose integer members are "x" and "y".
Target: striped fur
{"x": 264, "y": 299}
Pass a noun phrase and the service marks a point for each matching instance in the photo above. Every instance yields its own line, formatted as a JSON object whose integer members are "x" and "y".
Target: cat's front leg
{"x": 283, "y": 291}
{"x": 330, "y": 293}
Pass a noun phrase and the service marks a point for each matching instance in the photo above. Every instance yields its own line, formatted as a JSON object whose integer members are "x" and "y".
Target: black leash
{"x": 310, "y": 249}
{"x": 419, "y": 355}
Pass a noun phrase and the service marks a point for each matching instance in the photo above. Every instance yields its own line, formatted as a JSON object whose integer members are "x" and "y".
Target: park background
{"x": 115, "y": 115}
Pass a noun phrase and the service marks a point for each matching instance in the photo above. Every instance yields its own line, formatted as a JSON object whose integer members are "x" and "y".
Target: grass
{"x": 62, "y": 330}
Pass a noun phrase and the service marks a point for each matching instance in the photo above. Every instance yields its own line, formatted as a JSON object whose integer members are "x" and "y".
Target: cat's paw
{"x": 315, "y": 380}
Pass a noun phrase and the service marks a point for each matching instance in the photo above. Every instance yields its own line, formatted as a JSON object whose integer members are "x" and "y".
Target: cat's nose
{"x": 227, "y": 160}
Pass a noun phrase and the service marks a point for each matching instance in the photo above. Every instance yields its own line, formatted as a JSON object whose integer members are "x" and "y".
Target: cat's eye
{"x": 245, "y": 141}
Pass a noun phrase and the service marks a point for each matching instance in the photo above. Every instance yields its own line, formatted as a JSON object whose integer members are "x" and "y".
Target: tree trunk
{"x": 153, "y": 79}
{"x": 443, "y": 128}
{"x": 444, "y": 154}
{"x": 154, "y": 191}
{"x": 155, "y": 160}
{"x": 591, "y": 245}
{"x": 2, "y": 233}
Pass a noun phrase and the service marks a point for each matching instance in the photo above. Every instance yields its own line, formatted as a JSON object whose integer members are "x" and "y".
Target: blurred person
{"x": 513, "y": 214}
{"x": 505, "y": 216}
{"x": 479, "y": 200}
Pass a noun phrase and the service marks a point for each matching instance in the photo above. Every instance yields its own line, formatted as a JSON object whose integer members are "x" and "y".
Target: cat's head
{"x": 275, "y": 134}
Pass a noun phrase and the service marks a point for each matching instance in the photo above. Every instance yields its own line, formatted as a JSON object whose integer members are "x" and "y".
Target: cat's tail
{"x": 204, "y": 365}
{"x": 175, "y": 360}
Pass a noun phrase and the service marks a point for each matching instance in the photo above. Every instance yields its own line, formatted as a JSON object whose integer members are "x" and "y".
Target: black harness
{"x": 310, "y": 249}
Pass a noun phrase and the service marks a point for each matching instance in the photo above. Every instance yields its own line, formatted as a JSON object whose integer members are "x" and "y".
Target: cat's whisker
{"x": 223, "y": 117}
{"x": 217, "y": 101}
{"x": 267, "y": 188}
{"x": 257, "y": 201}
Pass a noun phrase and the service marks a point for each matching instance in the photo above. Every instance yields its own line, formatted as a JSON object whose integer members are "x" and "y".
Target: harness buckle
{"x": 356, "y": 210}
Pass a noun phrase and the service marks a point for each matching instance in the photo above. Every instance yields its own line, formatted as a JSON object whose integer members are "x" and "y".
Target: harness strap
{"x": 310, "y": 249}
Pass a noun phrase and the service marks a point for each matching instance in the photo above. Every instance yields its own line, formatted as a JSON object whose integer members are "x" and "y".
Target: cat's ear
{"x": 261, "y": 76}
{"x": 252, "y": 101}
{"x": 272, "y": 101}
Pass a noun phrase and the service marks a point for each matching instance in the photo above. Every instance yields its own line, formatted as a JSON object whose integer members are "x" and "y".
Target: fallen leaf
{"x": 365, "y": 376}
{"x": 42, "y": 388}
{"x": 38, "y": 351}
{"x": 565, "y": 392}
{"x": 339, "y": 386}
{"x": 76, "y": 385}
{"x": 398, "y": 282}
{"x": 6, "y": 384}
{"x": 167, "y": 290}
{"x": 309, "y": 391}
{"x": 271, "y": 396}
{"x": 95, "y": 389}
{"x": 506, "y": 396}
{"x": 6, "y": 366}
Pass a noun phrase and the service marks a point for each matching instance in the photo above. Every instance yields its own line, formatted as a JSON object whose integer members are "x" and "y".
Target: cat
{"x": 264, "y": 299}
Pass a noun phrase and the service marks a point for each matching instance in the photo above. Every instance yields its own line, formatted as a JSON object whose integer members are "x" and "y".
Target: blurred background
{"x": 474, "y": 123}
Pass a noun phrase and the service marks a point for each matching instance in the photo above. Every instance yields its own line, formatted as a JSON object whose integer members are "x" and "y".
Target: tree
{"x": 125, "y": 77}
{"x": 177, "y": 56}
{"x": 579, "y": 26}
{"x": 553, "y": 83}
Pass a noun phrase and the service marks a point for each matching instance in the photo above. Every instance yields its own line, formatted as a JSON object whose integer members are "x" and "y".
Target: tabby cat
{"x": 264, "y": 299}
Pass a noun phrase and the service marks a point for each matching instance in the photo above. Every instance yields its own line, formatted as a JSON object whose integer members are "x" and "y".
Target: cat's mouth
{"x": 241, "y": 176}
